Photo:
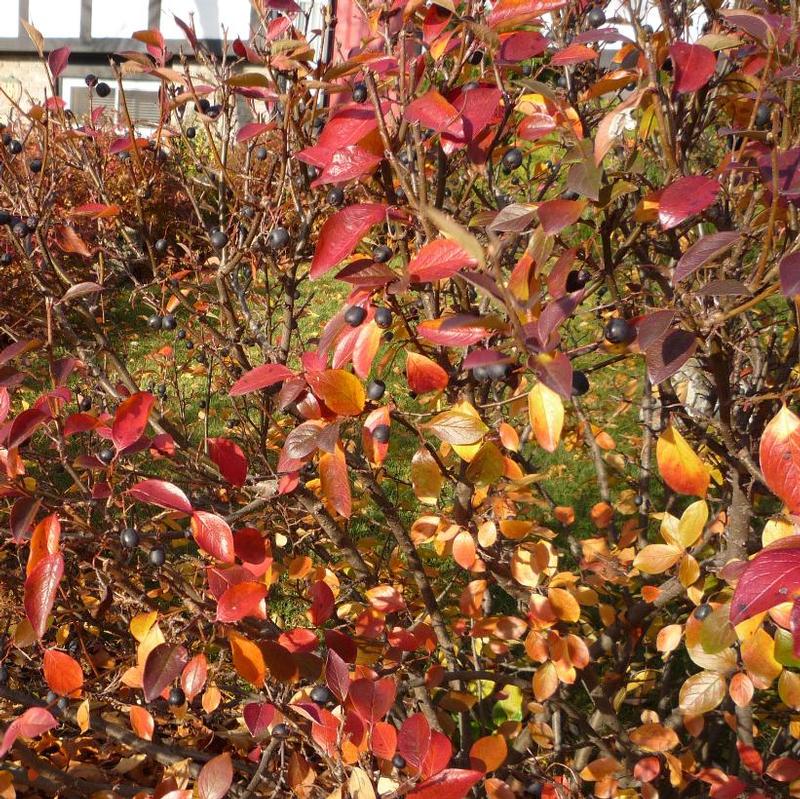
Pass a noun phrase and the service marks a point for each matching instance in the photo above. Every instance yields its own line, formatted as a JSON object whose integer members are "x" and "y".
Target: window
{"x": 141, "y": 97}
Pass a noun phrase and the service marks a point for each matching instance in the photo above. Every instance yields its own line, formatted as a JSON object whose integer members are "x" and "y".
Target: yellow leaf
{"x": 360, "y": 785}
{"x": 701, "y": 693}
{"x": 488, "y": 753}
{"x": 657, "y": 558}
{"x": 141, "y": 624}
{"x": 564, "y": 605}
{"x": 655, "y": 738}
{"x": 679, "y": 465}
{"x": 546, "y": 411}
{"x": 82, "y": 715}
{"x": 789, "y": 689}
{"x": 757, "y": 656}
{"x": 688, "y": 571}
{"x": 600, "y": 769}
{"x": 692, "y": 523}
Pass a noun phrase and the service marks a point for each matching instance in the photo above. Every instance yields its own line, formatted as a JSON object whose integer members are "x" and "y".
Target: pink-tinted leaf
{"x": 194, "y": 676}
{"x": 342, "y": 232}
{"x": 240, "y": 600}
{"x": 229, "y": 458}
{"x": 349, "y": 163}
{"x": 69, "y": 241}
{"x": 213, "y": 535}
{"x": 452, "y": 783}
{"x": 130, "y": 420}
{"x": 31, "y": 724}
{"x": 458, "y": 330}
{"x": 337, "y": 675}
{"x": 555, "y": 215}
{"x": 80, "y": 290}
{"x": 667, "y": 354}
{"x": 161, "y": 669}
{"x": 258, "y": 716}
{"x": 96, "y": 211}
{"x": 434, "y": 112}
{"x": 511, "y": 14}
{"x": 261, "y": 377}
{"x": 686, "y": 197}
{"x": 702, "y": 251}
{"x": 57, "y": 61}
{"x": 215, "y": 777}
{"x": 439, "y": 260}
{"x": 575, "y": 53}
{"x": 18, "y": 348}
{"x": 161, "y": 493}
{"x": 251, "y": 130}
{"x": 790, "y": 274}
{"x": 41, "y": 586}
{"x": 770, "y": 578}
{"x": 693, "y": 65}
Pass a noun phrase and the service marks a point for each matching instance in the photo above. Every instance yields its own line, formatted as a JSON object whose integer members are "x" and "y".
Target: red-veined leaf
{"x": 31, "y": 724}
{"x": 322, "y": 603}
{"x": 213, "y": 535}
{"x": 40, "y": 591}
{"x": 423, "y": 374}
{"x": 342, "y": 232}
{"x": 335, "y": 481}
{"x": 258, "y": 716}
{"x": 229, "y": 458}
{"x": 779, "y": 456}
{"x": 337, "y": 675}
{"x": 685, "y": 198}
{"x": 414, "y": 740}
{"x": 194, "y": 676}
{"x": 452, "y": 783}
{"x": 240, "y": 600}
{"x": 62, "y": 673}
{"x": 215, "y": 777}
{"x": 161, "y": 493}
{"x": 693, "y": 64}
{"x": 340, "y": 390}
{"x": 142, "y": 722}
{"x": 69, "y": 241}
{"x": 57, "y": 61}
{"x": 372, "y": 699}
{"x": 434, "y": 112}
{"x": 162, "y": 667}
{"x": 702, "y": 251}
{"x": 261, "y": 377}
{"x": 25, "y": 425}
{"x": 130, "y": 420}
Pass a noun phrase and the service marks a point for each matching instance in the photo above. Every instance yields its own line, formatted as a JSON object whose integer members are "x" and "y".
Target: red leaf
{"x": 750, "y": 757}
{"x": 555, "y": 215}
{"x": 161, "y": 493}
{"x": 213, "y": 535}
{"x": 40, "y": 591}
{"x": 784, "y": 769}
{"x": 322, "y": 603}
{"x": 383, "y": 741}
{"x": 694, "y": 65}
{"x": 142, "y": 723}
{"x": 258, "y": 716}
{"x": 240, "y": 600}
{"x": 423, "y": 374}
{"x": 439, "y": 755}
{"x": 702, "y": 251}
{"x": 22, "y": 517}
{"x": 25, "y": 425}
{"x": 414, "y": 740}
{"x": 790, "y": 275}
{"x": 452, "y": 783}
{"x": 686, "y": 197}
{"x": 194, "y": 676}
{"x": 342, "y": 232}
{"x": 337, "y": 675}
{"x": 349, "y": 163}
{"x": 769, "y": 579}
{"x": 434, "y": 112}
{"x": 261, "y": 377}
{"x": 130, "y": 420}
{"x": 163, "y": 665}
{"x": 31, "y": 724}
{"x": 252, "y": 129}
{"x": 575, "y": 53}
{"x": 69, "y": 241}
{"x": 57, "y": 61}
{"x": 229, "y": 458}
{"x": 62, "y": 673}
{"x": 372, "y": 699}
{"x": 96, "y": 211}
{"x": 439, "y": 260}
{"x": 511, "y": 14}
{"x": 215, "y": 777}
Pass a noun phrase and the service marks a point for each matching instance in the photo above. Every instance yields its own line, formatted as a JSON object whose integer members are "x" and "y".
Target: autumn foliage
{"x": 414, "y": 422}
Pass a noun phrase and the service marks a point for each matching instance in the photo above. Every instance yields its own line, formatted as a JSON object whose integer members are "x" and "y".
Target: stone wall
{"x": 21, "y": 78}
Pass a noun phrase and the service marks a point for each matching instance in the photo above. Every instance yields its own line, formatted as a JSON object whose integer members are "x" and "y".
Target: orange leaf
{"x": 142, "y": 722}
{"x": 334, "y": 480}
{"x": 546, "y": 411}
{"x": 681, "y": 468}
{"x": 488, "y": 753}
{"x": 62, "y": 673}
{"x": 779, "y": 454}
{"x": 341, "y": 391}
{"x": 545, "y": 681}
{"x": 655, "y": 738}
{"x": 247, "y": 659}
{"x": 423, "y": 374}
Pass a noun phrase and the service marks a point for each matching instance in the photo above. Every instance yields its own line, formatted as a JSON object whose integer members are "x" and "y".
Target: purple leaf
{"x": 703, "y": 251}
{"x": 790, "y": 274}
{"x": 686, "y": 197}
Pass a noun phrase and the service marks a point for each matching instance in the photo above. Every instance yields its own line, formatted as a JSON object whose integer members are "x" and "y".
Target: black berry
{"x": 85, "y": 404}
{"x": 596, "y": 17}
{"x": 36, "y": 165}
{"x": 161, "y": 246}
{"x": 376, "y": 389}
{"x": 278, "y": 238}
{"x": 355, "y": 315}
{"x": 580, "y": 383}
{"x": 322, "y": 695}
{"x": 154, "y": 322}
{"x": 480, "y": 373}
{"x": 762, "y": 116}
{"x": 191, "y": 133}
{"x": 261, "y": 153}
{"x": 383, "y": 317}
{"x": 577, "y": 280}
{"x": 335, "y": 196}
{"x": 498, "y": 371}
{"x": 512, "y": 159}
{"x": 381, "y": 433}
{"x": 476, "y": 57}
{"x": 381, "y": 254}
{"x": 398, "y": 761}
{"x": 90, "y": 80}
{"x": 157, "y": 556}
{"x": 169, "y": 322}
{"x": 106, "y": 455}
{"x": 219, "y": 239}
{"x": 703, "y": 611}
{"x": 129, "y": 538}
{"x": 619, "y": 331}
{"x": 360, "y": 92}
{"x": 280, "y": 731}
{"x": 102, "y": 89}
{"x": 176, "y": 697}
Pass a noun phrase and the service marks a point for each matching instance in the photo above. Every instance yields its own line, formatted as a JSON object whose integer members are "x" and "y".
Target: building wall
{"x": 21, "y": 78}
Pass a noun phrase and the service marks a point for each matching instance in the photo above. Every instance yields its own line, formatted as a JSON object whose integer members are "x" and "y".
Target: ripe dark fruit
{"x": 157, "y": 556}
{"x": 189, "y": 344}
{"x": 596, "y": 17}
{"x": 498, "y": 371}
{"x": 703, "y": 611}
{"x": 512, "y": 159}
{"x": 191, "y": 133}
{"x": 176, "y": 697}
{"x": 383, "y": 317}
{"x": 63, "y": 703}
{"x": 355, "y": 315}
{"x": 562, "y": 82}
{"x": 280, "y": 731}
{"x": 376, "y": 389}
{"x": 219, "y": 239}
{"x": 381, "y": 433}
{"x": 619, "y": 331}
{"x": 647, "y": 30}
{"x": 36, "y": 165}
{"x": 480, "y": 373}
{"x": 569, "y": 195}
{"x": 102, "y": 89}
{"x": 476, "y": 57}
{"x": 90, "y": 80}
{"x": 577, "y": 280}
{"x": 381, "y": 254}
{"x": 278, "y": 238}
{"x": 580, "y": 383}
{"x": 169, "y": 322}
{"x": 15, "y": 147}
{"x": 762, "y": 116}
{"x": 398, "y": 761}
{"x": 85, "y": 404}
{"x": 261, "y": 153}
{"x": 20, "y": 230}
{"x": 360, "y": 92}
{"x": 6, "y": 258}
{"x": 161, "y": 246}
{"x": 336, "y": 196}
{"x": 129, "y": 538}
{"x": 106, "y": 455}
{"x": 322, "y": 695}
